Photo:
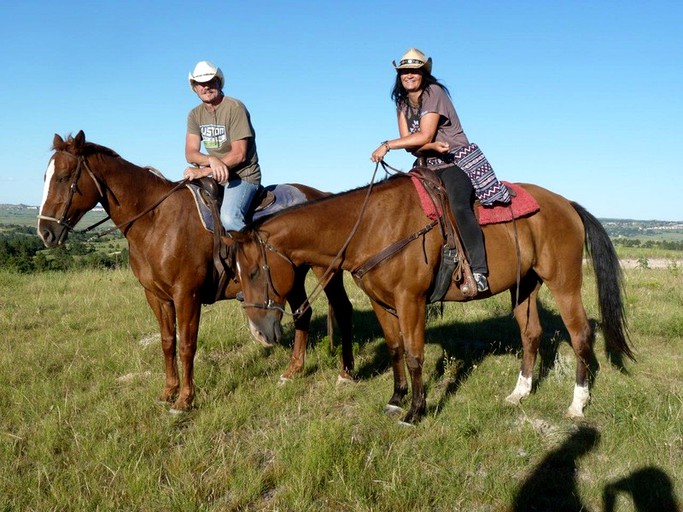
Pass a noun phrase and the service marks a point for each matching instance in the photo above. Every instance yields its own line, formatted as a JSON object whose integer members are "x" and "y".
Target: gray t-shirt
{"x": 217, "y": 130}
{"x": 435, "y": 100}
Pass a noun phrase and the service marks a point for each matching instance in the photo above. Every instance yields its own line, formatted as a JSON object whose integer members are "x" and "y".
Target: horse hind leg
{"x": 530, "y": 329}
{"x": 582, "y": 337}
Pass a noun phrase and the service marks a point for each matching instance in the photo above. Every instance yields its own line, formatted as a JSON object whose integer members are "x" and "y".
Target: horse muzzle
{"x": 268, "y": 332}
{"x": 52, "y": 233}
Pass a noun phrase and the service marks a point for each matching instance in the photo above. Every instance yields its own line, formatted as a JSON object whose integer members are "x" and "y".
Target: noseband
{"x": 82, "y": 164}
{"x": 268, "y": 303}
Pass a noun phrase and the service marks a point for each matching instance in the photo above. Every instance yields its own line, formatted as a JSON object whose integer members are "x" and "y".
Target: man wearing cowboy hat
{"x": 224, "y": 126}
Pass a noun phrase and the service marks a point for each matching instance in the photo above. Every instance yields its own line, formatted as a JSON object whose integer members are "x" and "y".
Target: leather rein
{"x": 335, "y": 265}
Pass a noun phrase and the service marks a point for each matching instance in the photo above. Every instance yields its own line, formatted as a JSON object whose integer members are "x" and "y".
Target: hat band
{"x": 411, "y": 61}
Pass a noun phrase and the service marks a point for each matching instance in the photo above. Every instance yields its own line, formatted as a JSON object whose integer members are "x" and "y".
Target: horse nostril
{"x": 47, "y": 236}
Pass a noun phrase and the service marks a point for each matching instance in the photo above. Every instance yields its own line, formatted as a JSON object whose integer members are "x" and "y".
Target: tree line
{"x": 21, "y": 250}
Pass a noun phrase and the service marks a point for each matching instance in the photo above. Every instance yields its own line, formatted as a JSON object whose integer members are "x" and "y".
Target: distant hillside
{"x": 25, "y": 215}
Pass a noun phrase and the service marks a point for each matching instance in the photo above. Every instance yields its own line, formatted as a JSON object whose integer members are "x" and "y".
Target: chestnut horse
{"x": 171, "y": 253}
{"x": 547, "y": 247}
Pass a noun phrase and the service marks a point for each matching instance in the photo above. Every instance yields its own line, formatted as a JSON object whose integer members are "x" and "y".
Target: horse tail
{"x": 609, "y": 277}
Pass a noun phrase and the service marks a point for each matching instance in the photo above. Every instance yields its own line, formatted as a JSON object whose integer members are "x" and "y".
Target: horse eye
{"x": 253, "y": 274}
{"x": 64, "y": 179}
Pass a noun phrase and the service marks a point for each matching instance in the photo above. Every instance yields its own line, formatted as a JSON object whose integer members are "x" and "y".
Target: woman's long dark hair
{"x": 400, "y": 96}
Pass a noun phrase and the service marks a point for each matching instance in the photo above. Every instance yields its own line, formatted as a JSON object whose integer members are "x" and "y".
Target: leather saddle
{"x": 213, "y": 192}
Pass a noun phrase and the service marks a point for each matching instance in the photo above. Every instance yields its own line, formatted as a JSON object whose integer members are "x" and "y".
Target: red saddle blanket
{"x": 523, "y": 204}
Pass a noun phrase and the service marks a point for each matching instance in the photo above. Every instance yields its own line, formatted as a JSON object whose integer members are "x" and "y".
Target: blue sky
{"x": 584, "y": 98}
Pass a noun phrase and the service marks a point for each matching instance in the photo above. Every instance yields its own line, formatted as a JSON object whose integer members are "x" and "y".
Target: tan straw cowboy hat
{"x": 414, "y": 59}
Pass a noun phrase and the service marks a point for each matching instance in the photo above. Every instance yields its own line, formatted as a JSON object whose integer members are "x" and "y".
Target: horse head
{"x": 70, "y": 189}
{"x": 266, "y": 276}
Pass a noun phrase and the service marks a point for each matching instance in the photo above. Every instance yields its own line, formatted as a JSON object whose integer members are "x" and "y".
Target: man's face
{"x": 209, "y": 91}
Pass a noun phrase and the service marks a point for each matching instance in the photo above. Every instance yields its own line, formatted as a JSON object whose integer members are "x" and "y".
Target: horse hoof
{"x": 344, "y": 380}
{"x": 283, "y": 381}
{"x": 405, "y": 424}
{"x": 513, "y": 399}
{"x": 392, "y": 410}
{"x": 175, "y": 412}
{"x": 574, "y": 414}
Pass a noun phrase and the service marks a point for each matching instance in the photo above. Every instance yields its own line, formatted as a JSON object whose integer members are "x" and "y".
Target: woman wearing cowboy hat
{"x": 224, "y": 126}
{"x": 429, "y": 127}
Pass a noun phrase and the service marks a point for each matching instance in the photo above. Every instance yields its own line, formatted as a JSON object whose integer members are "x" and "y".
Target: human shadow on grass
{"x": 649, "y": 488}
{"x": 552, "y": 485}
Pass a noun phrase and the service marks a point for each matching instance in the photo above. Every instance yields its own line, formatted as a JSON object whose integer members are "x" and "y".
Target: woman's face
{"x": 411, "y": 79}
{"x": 209, "y": 91}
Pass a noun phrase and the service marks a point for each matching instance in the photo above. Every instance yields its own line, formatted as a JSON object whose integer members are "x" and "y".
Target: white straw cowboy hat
{"x": 414, "y": 59}
{"x": 203, "y": 72}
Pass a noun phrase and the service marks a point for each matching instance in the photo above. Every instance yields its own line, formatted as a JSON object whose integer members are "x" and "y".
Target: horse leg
{"x": 392, "y": 337}
{"x": 530, "y": 329}
{"x": 343, "y": 312}
{"x": 582, "y": 337}
{"x": 189, "y": 311}
{"x": 567, "y": 294}
{"x": 165, "y": 314}
{"x": 411, "y": 317}
{"x": 296, "y": 298}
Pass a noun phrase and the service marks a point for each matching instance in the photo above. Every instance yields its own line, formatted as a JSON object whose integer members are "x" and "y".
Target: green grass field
{"x": 80, "y": 428}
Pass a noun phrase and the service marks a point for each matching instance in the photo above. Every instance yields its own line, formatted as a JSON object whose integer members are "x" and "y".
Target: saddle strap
{"x": 449, "y": 229}
{"x": 390, "y": 250}
{"x": 220, "y": 250}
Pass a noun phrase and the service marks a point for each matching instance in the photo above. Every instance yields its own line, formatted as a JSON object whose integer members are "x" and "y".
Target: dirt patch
{"x": 651, "y": 263}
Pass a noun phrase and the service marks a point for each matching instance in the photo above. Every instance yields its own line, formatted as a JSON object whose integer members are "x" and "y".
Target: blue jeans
{"x": 236, "y": 202}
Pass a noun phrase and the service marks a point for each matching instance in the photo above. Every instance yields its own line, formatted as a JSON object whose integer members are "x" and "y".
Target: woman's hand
{"x": 379, "y": 154}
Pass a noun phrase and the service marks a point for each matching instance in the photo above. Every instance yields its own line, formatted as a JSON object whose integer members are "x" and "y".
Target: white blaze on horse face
{"x": 49, "y": 173}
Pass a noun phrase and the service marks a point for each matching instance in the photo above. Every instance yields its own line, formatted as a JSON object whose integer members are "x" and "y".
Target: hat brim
{"x": 427, "y": 66}
{"x": 202, "y": 79}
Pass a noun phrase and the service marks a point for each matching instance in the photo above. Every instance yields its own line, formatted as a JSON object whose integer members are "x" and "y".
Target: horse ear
{"x": 57, "y": 142}
{"x": 79, "y": 140}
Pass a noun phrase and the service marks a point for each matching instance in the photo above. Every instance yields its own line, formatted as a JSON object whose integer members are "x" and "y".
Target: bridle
{"x": 269, "y": 303}
{"x": 83, "y": 164}
{"x": 62, "y": 220}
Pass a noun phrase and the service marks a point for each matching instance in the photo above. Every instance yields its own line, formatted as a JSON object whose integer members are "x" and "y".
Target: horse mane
{"x": 90, "y": 148}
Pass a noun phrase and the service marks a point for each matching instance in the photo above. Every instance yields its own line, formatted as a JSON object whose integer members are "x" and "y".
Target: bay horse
{"x": 546, "y": 247}
{"x": 171, "y": 254}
